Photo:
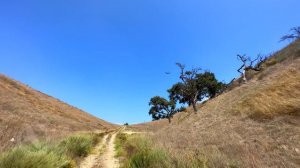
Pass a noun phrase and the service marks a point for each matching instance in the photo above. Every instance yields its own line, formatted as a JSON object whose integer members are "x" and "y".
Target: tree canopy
{"x": 162, "y": 108}
{"x": 195, "y": 86}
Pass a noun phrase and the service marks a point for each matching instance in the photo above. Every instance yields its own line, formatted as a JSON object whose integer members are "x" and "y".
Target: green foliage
{"x": 119, "y": 142}
{"x": 49, "y": 154}
{"x": 186, "y": 91}
{"x": 77, "y": 146}
{"x": 149, "y": 158}
{"x": 195, "y": 86}
{"x": 35, "y": 156}
{"x": 140, "y": 152}
{"x": 162, "y": 108}
{"x": 179, "y": 94}
{"x": 208, "y": 85}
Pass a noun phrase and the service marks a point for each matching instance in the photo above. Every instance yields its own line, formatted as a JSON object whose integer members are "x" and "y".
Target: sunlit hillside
{"x": 252, "y": 125}
{"x": 28, "y": 115}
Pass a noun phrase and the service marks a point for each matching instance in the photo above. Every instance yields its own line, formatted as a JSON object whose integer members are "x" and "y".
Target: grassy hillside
{"x": 256, "y": 124}
{"x": 27, "y": 115}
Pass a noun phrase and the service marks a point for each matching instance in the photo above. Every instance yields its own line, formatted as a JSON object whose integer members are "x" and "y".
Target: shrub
{"x": 35, "y": 156}
{"x": 48, "y": 154}
{"x": 149, "y": 158}
{"x": 120, "y": 140}
{"x": 77, "y": 146}
{"x": 140, "y": 152}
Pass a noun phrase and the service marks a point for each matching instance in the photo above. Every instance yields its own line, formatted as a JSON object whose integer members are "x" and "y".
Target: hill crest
{"x": 28, "y": 115}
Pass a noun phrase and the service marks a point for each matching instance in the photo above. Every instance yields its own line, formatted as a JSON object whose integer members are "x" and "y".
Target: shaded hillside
{"x": 27, "y": 115}
{"x": 256, "y": 124}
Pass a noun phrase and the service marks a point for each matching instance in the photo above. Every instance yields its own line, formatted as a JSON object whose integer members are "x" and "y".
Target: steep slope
{"x": 27, "y": 115}
{"x": 253, "y": 125}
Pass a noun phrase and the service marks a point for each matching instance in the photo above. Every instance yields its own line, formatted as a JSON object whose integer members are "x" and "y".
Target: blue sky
{"x": 108, "y": 57}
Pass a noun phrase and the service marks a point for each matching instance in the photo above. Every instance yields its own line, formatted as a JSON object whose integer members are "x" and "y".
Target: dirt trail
{"x": 104, "y": 153}
{"x": 109, "y": 160}
{"x": 91, "y": 160}
{"x": 103, "y": 156}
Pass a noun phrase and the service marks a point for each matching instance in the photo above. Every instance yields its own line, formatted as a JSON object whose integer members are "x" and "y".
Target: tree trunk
{"x": 194, "y": 103}
{"x": 169, "y": 119}
{"x": 244, "y": 75}
{"x": 195, "y": 107}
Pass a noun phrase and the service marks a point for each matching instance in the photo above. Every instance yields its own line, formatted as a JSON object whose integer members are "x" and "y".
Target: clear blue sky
{"x": 108, "y": 57}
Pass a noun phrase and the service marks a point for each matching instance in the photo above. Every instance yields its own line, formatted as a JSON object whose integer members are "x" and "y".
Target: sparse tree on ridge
{"x": 209, "y": 86}
{"x": 186, "y": 91}
{"x": 293, "y": 36}
{"x": 194, "y": 86}
{"x": 250, "y": 64}
{"x": 162, "y": 108}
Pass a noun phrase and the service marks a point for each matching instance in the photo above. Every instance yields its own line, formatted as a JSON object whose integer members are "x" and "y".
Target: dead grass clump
{"x": 273, "y": 98}
{"x": 140, "y": 151}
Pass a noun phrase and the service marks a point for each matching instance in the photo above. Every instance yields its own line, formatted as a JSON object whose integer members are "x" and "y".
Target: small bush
{"x": 271, "y": 62}
{"x": 48, "y": 154}
{"x": 77, "y": 146}
{"x": 149, "y": 158}
{"x": 120, "y": 140}
{"x": 35, "y": 156}
{"x": 140, "y": 152}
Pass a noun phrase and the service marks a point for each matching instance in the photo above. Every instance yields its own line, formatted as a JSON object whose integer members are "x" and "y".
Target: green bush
{"x": 140, "y": 152}
{"x": 35, "y": 156}
{"x": 149, "y": 158}
{"x": 48, "y": 154}
{"x": 119, "y": 142}
{"x": 77, "y": 146}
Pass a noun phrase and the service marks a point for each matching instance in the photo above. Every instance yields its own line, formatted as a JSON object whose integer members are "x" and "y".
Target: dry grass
{"x": 253, "y": 125}
{"x": 28, "y": 115}
{"x": 271, "y": 98}
{"x": 65, "y": 153}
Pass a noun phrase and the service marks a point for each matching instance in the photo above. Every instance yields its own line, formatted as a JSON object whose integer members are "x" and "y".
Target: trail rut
{"x": 91, "y": 160}
{"x": 109, "y": 160}
{"x": 103, "y": 155}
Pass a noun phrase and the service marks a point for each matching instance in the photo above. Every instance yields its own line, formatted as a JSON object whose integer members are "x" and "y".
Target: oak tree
{"x": 162, "y": 108}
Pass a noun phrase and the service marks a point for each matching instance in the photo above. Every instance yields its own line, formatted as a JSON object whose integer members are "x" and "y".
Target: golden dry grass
{"x": 28, "y": 115}
{"x": 270, "y": 98}
{"x": 254, "y": 125}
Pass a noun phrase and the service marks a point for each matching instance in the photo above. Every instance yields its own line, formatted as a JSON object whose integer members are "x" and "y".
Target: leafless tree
{"x": 250, "y": 64}
{"x": 186, "y": 76}
{"x": 242, "y": 69}
{"x": 293, "y": 36}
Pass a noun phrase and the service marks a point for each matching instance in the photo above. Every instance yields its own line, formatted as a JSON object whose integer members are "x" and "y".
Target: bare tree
{"x": 259, "y": 61}
{"x": 250, "y": 64}
{"x": 293, "y": 36}
{"x": 187, "y": 76}
{"x": 242, "y": 69}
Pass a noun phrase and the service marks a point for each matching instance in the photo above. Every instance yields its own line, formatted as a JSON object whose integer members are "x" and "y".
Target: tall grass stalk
{"x": 61, "y": 154}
